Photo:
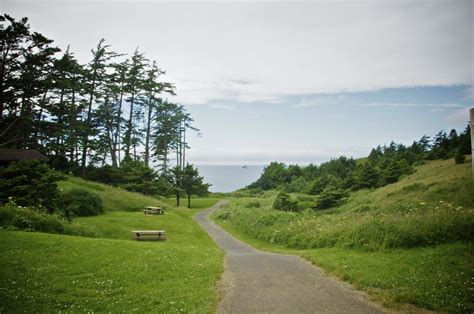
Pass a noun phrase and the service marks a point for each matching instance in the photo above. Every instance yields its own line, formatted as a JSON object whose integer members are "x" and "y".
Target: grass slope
{"x": 108, "y": 272}
{"x": 406, "y": 243}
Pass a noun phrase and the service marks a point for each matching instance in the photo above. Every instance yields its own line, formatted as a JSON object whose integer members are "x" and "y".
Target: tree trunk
{"x": 177, "y": 199}
{"x": 184, "y": 146}
{"x": 117, "y": 131}
{"x": 88, "y": 125}
{"x": 189, "y": 200}
{"x": 130, "y": 126}
{"x": 148, "y": 130}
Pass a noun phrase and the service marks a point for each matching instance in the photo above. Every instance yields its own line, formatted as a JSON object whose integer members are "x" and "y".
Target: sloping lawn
{"x": 109, "y": 272}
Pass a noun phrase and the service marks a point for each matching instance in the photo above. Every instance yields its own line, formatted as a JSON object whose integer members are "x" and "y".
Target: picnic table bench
{"x": 149, "y": 235}
{"x": 153, "y": 210}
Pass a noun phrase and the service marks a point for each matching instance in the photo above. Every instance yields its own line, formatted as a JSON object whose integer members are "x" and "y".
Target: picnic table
{"x": 149, "y": 235}
{"x": 153, "y": 210}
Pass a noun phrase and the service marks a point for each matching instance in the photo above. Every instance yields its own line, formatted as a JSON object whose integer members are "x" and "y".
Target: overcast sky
{"x": 293, "y": 82}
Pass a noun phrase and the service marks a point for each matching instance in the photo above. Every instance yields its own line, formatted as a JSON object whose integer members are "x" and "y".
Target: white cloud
{"x": 417, "y": 105}
{"x": 263, "y": 52}
{"x": 459, "y": 117}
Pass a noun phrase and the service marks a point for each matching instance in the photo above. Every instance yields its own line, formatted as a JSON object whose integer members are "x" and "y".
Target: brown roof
{"x": 10, "y": 154}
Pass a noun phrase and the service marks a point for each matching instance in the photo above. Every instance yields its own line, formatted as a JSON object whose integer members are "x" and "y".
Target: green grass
{"x": 109, "y": 272}
{"x": 51, "y": 273}
{"x": 114, "y": 199}
{"x": 196, "y": 202}
{"x": 408, "y": 242}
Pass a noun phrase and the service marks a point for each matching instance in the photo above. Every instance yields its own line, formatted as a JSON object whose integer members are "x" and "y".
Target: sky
{"x": 296, "y": 82}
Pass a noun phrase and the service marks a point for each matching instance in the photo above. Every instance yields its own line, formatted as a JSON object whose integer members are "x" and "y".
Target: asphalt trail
{"x": 261, "y": 282}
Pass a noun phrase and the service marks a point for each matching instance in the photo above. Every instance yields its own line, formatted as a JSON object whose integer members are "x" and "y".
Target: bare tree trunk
{"x": 117, "y": 131}
{"x": 88, "y": 125}
{"x": 148, "y": 131}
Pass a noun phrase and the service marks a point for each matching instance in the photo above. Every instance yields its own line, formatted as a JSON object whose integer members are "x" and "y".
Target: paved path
{"x": 260, "y": 282}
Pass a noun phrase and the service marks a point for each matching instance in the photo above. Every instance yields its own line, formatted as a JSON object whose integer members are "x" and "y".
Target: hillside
{"x": 107, "y": 272}
{"x": 410, "y": 242}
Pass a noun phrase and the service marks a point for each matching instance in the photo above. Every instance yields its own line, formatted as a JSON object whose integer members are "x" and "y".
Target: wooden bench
{"x": 149, "y": 235}
{"x": 152, "y": 210}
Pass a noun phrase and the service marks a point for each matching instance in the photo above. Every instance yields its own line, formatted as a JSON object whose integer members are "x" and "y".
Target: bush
{"x": 30, "y": 183}
{"x": 459, "y": 157}
{"x": 12, "y": 217}
{"x": 79, "y": 202}
{"x": 330, "y": 197}
{"x": 284, "y": 202}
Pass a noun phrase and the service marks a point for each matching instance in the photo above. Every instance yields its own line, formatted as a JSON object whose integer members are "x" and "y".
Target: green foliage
{"x": 255, "y": 204}
{"x": 367, "y": 176}
{"x": 330, "y": 197}
{"x": 23, "y": 218}
{"x": 384, "y": 165}
{"x": 30, "y": 183}
{"x": 79, "y": 202}
{"x": 284, "y": 202}
{"x": 273, "y": 176}
{"x": 459, "y": 157}
{"x": 298, "y": 185}
{"x": 133, "y": 176}
{"x": 431, "y": 207}
{"x": 325, "y": 181}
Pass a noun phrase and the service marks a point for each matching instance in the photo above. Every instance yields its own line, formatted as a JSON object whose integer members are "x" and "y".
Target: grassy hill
{"x": 410, "y": 242}
{"x": 107, "y": 271}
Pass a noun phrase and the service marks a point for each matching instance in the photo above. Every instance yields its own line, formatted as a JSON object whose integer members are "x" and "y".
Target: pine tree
{"x": 96, "y": 75}
{"x": 135, "y": 78}
{"x": 192, "y": 183}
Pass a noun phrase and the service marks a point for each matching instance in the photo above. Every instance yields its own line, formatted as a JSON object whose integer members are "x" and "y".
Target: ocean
{"x": 229, "y": 178}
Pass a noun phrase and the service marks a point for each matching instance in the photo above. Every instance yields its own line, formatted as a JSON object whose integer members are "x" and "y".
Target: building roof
{"x": 10, "y": 154}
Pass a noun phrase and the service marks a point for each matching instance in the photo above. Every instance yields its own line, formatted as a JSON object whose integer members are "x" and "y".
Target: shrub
{"x": 12, "y": 217}
{"x": 79, "y": 202}
{"x": 284, "y": 202}
{"x": 330, "y": 197}
{"x": 30, "y": 183}
{"x": 459, "y": 157}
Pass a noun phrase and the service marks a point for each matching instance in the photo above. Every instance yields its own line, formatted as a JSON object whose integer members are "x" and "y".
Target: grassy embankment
{"x": 108, "y": 272}
{"x": 408, "y": 243}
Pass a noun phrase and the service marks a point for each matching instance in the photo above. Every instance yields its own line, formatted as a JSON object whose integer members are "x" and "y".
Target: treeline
{"x": 331, "y": 181}
{"x": 106, "y": 120}
{"x": 105, "y": 111}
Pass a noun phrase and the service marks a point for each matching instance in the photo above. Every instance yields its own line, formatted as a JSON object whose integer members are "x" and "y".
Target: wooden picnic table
{"x": 149, "y": 235}
{"x": 153, "y": 210}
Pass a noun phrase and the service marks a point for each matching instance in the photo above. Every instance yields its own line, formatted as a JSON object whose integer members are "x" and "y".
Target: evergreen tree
{"x": 367, "y": 176}
{"x": 95, "y": 78}
{"x": 192, "y": 183}
{"x": 135, "y": 79}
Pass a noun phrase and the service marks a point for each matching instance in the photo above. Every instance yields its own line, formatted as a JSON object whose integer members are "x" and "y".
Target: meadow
{"x": 106, "y": 271}
{"x": 407, "y": 244}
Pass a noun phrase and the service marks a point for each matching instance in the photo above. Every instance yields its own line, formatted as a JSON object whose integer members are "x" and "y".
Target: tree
{"x": 367, "y": 176}
{"x": 96, "y": 75}
{"x": 30, "y": 183}
{"x": 330, "y": 197}
{"x": 151, "y": 102}
{"x": 25, "y": 66}
{"x": 177, "y": 183}
{"x": 192, "y": 183}
{"x": 135, "y": 78}
{"x": 459, "y": 157}
{"x": 283, "y": 201}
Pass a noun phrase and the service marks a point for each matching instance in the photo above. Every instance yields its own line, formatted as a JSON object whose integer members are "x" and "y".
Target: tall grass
{"x": 415, "y": 212}
{"x": 408, "y": 242}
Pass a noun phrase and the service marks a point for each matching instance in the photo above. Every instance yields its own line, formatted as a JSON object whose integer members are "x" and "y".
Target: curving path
{"x": 261, "y": 282}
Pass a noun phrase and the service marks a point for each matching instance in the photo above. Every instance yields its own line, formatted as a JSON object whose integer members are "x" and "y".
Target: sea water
{"x": 229, "y": 178}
